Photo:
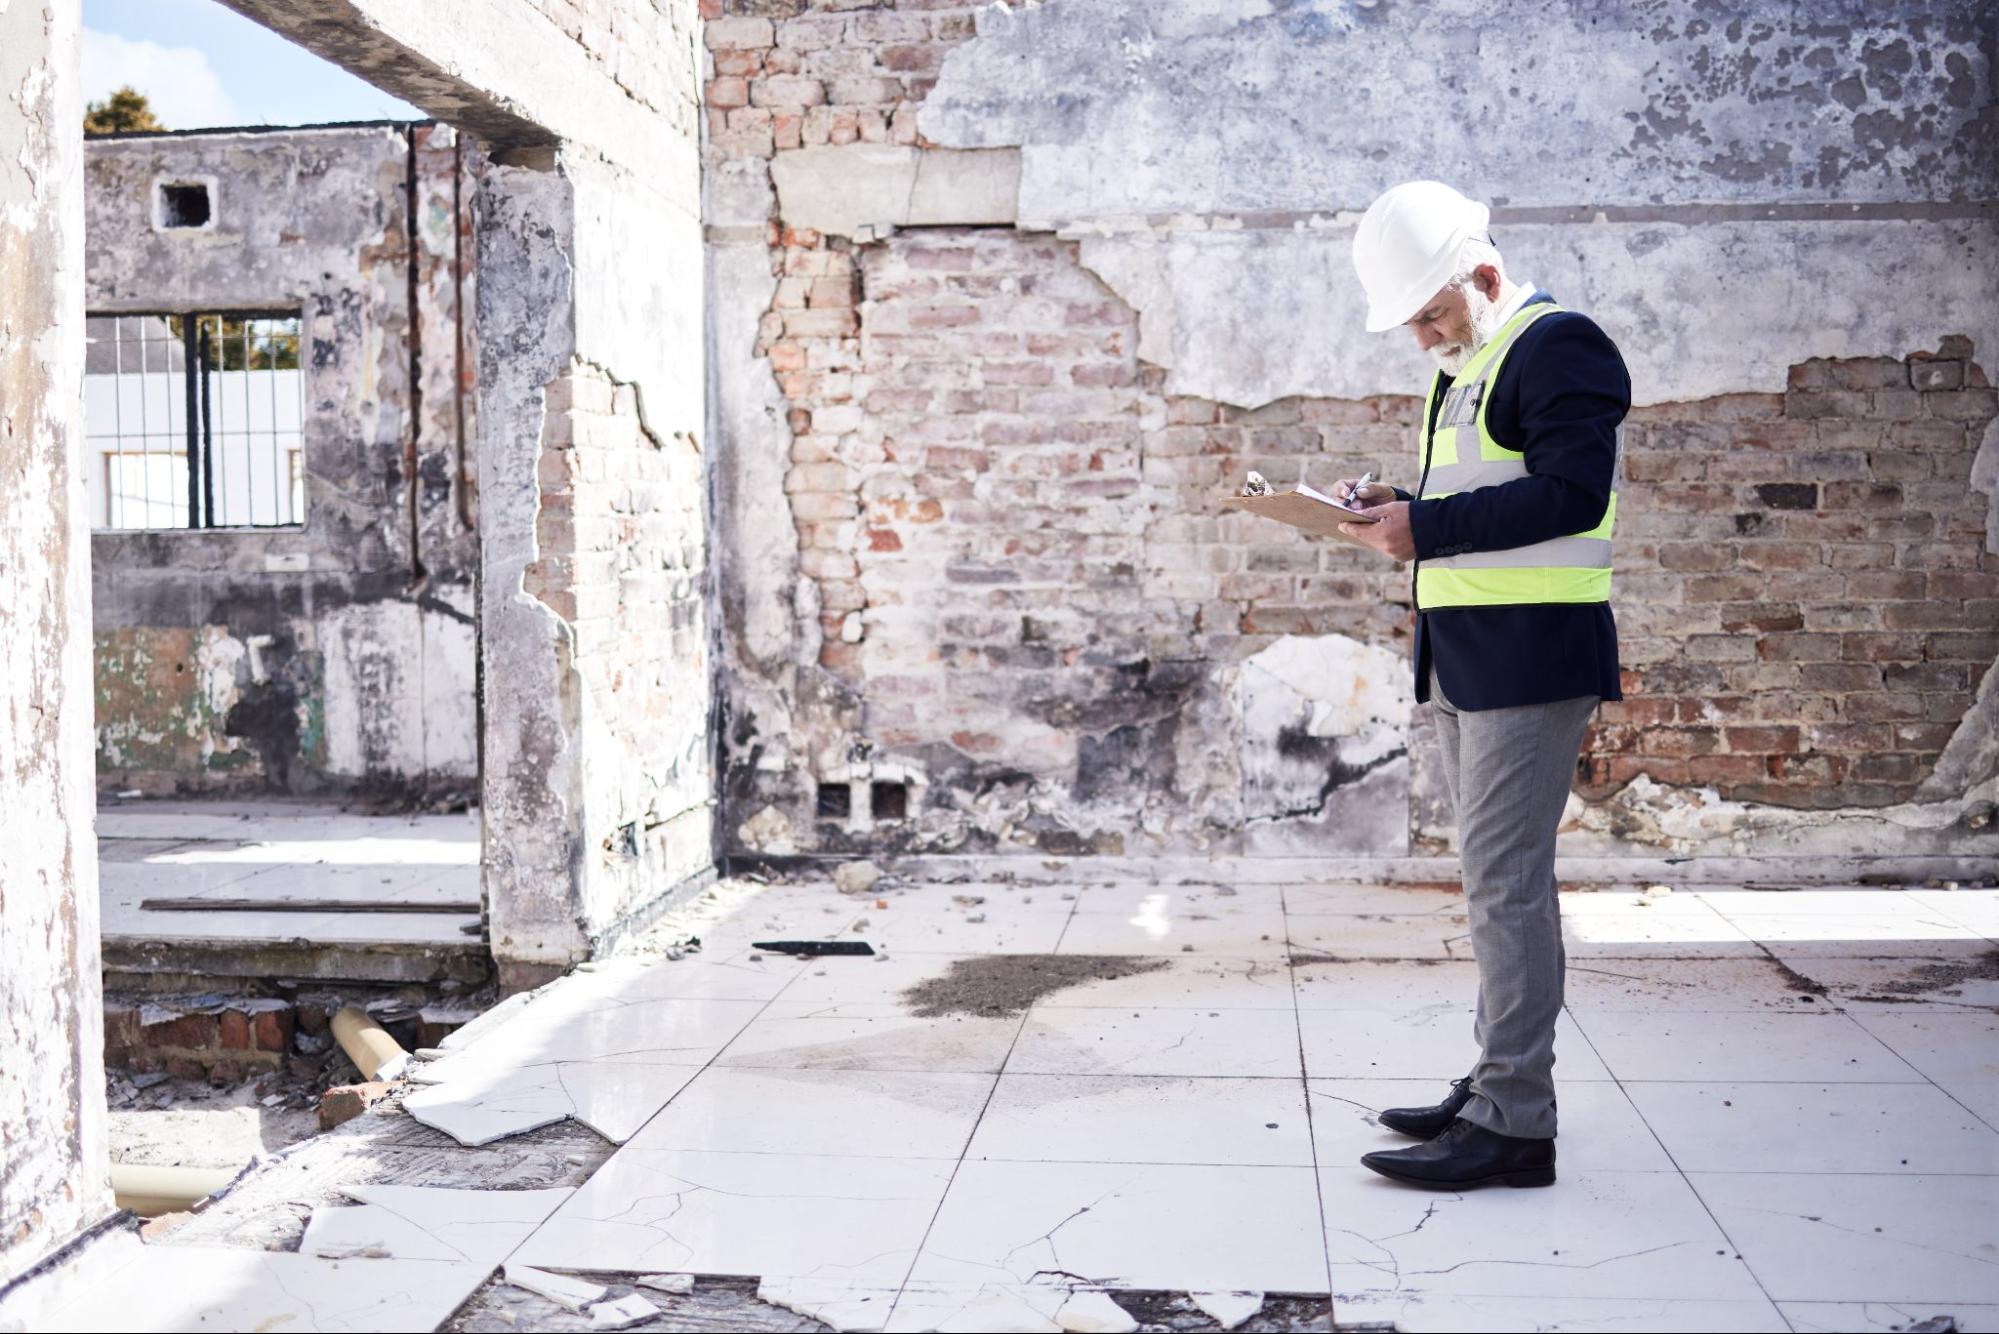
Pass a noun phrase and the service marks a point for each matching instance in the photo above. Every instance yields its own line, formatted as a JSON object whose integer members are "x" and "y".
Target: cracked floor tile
{"x": 1128, "y": 1225}
{"x": 784, "y": 1214}
{"x": 1816, "y": 1237}
{"x": 1380, "y": 935}
{"x": 428, "y": 1223}
{"x": 1593, "y": 1234}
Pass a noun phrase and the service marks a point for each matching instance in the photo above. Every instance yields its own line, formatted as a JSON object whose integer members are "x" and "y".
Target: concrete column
{"x": 531, "y": 796}
{"x": 54, "y": 1181}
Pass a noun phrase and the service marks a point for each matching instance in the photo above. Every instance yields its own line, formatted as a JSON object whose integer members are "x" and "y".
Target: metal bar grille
{"x": 206, "y": 407}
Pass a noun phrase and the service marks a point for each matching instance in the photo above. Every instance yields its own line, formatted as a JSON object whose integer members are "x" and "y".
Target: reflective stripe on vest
{"x": 1463, "y": 456}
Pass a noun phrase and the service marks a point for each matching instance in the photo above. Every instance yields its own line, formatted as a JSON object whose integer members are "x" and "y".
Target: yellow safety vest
{"x": 1459, "y": 454}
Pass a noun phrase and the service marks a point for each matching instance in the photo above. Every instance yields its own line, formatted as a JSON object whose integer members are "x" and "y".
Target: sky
{"x": 203, "y": 66}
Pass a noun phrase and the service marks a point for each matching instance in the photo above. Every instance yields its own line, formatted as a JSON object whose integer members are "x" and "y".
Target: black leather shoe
{"x": 1429, "y": 1122}
{"x": 1467, "y": 1155}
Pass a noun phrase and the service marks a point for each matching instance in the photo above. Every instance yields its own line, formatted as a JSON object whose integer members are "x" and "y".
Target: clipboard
{"x": 1303, "y": 508}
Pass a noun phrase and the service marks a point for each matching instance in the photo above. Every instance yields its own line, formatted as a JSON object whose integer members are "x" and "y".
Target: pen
{"x": 1353, "y": 496}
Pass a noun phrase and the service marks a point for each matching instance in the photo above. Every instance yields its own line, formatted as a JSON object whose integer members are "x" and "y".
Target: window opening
{"x": 836, "y": 801}
{"x": 184, "y": 205}
{"x": 889, "y": 801}
{"x": 197, "y": 420}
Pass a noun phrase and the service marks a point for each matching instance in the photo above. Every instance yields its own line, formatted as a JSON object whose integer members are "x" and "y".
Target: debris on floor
{"x": 1924, "y": 978}
{"x": 157, "y": 1120}
{"x": 339, "y": 1105}
{"x": 993, "y": 986}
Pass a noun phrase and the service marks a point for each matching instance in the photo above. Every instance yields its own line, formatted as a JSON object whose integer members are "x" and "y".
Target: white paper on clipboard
{"x": 1304, "y": 508}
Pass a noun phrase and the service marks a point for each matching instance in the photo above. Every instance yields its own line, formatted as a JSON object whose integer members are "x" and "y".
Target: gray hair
{"x": 1474, "y": 253}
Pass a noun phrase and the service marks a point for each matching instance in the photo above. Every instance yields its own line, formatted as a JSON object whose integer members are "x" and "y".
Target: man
{"x": 1510, "y": 530}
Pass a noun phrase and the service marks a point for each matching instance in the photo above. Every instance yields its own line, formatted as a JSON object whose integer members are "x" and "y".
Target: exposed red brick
{"x": 342, "y": 1104}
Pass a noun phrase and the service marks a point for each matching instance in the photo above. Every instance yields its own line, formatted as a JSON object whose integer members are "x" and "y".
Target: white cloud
{"x": 177, "y": 80}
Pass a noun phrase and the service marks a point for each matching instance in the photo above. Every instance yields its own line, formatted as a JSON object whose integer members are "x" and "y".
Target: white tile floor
{"x": 1739, "y": 1150}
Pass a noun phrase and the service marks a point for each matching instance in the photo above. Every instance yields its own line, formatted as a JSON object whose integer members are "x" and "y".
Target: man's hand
{"x": 1391, "y": 536}
{"x": 1374, "y": 493}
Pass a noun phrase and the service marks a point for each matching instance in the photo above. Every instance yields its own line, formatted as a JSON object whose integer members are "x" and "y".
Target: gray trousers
{"x": 1508, "y": 771}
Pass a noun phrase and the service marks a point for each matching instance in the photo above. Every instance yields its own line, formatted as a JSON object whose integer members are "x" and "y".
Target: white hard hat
{"x": 1407, "y": 245}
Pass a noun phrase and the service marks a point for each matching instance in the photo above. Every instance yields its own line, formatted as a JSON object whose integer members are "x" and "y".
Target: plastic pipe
{"x": 152, "y": 1191}
{"x": 374, "y": 1053}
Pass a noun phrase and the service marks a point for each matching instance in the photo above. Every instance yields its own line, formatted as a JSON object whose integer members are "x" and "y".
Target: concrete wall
{"x": 338, "y": 655}
{"x": 594, "y": 636}
{"x": 1005, "y": 295}
{"x": 52, "y": 1116}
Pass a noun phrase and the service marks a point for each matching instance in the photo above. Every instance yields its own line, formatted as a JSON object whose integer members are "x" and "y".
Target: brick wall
{"x": 1805, "y": 603}
{"x": 1021, "y": 584}
{"x": 843, "y": 72}
{"x": 621, "y": 557}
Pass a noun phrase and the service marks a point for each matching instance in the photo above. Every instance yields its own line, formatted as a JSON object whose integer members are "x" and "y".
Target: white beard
{"x": 1484, "y": 318}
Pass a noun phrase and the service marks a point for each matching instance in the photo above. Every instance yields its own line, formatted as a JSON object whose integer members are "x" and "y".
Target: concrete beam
{"x": 867, "y": 190}
{"x": 500, "y": 69}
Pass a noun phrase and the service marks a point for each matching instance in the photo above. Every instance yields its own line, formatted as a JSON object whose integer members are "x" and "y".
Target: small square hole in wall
{"x": 890, "y": 801}
{"x": 836, "y": 801}
{"x": 184, "y": 204}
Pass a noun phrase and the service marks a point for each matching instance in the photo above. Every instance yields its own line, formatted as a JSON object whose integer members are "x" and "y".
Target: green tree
{"x": 126, "y": 109}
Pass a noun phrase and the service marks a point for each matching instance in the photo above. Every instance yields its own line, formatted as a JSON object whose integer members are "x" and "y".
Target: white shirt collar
{"x": 1522, "y": 294}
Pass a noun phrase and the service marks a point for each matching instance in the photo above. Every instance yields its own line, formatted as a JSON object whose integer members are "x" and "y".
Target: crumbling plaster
{"x": 1221, "y": 106}
{"x": 52, "y": 1112}
{"x": 1675, "y": 147}
{"x": 350, "y": 637}
{"x": 1252, "y": 315}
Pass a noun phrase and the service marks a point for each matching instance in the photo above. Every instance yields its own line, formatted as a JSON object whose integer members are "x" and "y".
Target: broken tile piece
{"x": 678, "y": 1285}
{"x": 571, "y": 1293}
{"x": 1227, "y": 1309}
{"x": 953, "y": 1307}
{"x": 1094, "y": 1313}
{"x": 623, "y": 1313}
{"x": 848, "y": 1306}
{"x": 429, "y": 1223}
{"x": 128, "y": 1285}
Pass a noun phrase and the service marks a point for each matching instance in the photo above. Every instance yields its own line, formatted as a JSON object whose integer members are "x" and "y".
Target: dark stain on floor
{"x": 1948, "y": 975}
{"x": 993, "y": 986}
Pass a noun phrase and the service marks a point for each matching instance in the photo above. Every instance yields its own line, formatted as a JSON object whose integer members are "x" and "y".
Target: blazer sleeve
{"x": 1574, "y": 390}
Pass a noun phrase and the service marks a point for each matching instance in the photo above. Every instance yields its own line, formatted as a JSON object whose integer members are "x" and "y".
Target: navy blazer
{"x": 1558, "y": 398}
